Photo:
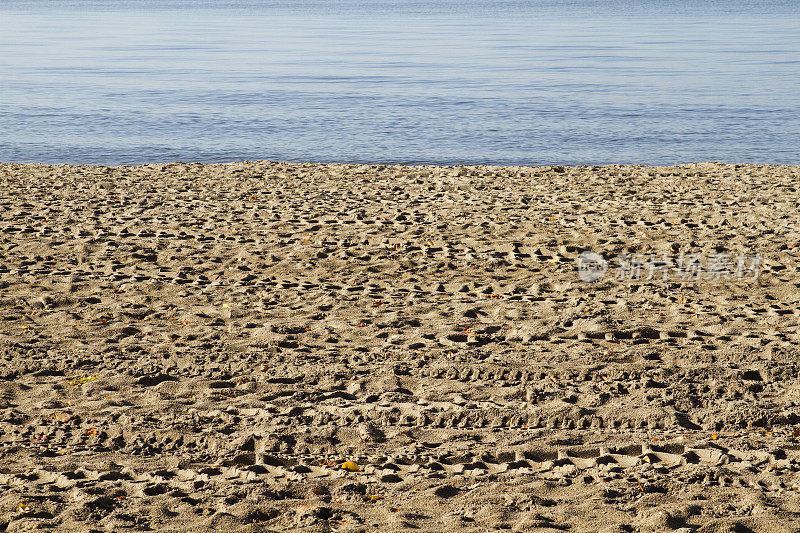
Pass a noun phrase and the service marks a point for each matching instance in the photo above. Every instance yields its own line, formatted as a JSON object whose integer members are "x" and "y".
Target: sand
{"x": 268, "y": 346}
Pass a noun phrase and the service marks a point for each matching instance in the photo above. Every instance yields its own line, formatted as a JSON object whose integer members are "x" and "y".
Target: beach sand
{"x": 269, "y": 346}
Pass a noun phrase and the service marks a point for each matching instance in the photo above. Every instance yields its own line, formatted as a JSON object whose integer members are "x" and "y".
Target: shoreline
{"x": 313, "y": 347}
{"x": 379, "y": 164}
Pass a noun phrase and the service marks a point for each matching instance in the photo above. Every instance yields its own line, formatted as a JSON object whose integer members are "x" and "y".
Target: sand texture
{"x": 267, "y": 346}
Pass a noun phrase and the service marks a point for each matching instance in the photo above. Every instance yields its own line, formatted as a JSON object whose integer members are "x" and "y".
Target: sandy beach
{"x": 267, "y": 346}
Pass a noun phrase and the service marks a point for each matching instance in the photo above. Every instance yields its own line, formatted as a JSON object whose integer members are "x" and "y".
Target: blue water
{"x": 491, "y": 81}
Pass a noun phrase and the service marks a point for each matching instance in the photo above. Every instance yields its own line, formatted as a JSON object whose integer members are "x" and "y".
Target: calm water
{"x": 537, "y": 81}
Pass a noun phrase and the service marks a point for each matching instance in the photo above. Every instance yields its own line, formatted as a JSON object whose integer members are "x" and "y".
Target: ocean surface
{"x": 447, "y": 82}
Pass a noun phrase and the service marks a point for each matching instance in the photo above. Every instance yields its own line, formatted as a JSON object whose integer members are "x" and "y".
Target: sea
{"x": 521, "y": 82}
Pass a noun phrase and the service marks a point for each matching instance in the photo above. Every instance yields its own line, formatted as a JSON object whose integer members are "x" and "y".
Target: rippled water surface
{"x": 523, "y": 82}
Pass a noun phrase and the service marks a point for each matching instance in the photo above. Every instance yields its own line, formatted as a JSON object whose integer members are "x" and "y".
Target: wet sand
{"x": 269, "y": 346}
